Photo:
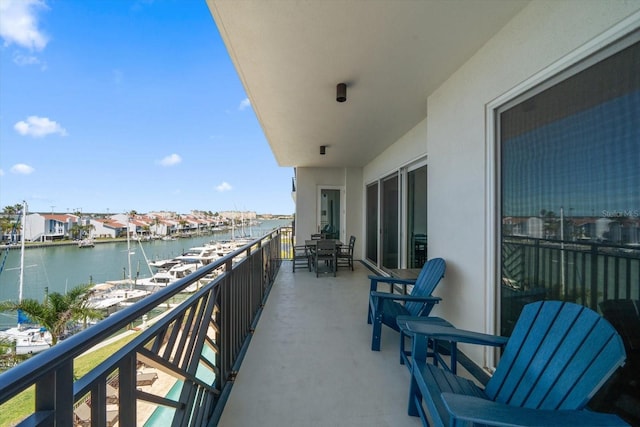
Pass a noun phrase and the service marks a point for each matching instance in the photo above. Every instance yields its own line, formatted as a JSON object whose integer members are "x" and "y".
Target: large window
{"x": 570, "y": 199}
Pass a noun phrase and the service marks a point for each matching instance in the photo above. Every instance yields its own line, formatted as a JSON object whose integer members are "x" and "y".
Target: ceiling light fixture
{"x": 341, "y": 95}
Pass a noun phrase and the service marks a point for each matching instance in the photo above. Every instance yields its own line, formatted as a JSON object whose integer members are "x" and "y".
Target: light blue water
{"x": 65, "y": 267}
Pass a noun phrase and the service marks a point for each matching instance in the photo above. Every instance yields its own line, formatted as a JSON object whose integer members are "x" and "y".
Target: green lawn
{"x": 23, "y": 404}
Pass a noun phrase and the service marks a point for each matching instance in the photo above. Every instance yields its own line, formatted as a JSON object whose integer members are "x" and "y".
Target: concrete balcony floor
{"x": 310, "y": 361}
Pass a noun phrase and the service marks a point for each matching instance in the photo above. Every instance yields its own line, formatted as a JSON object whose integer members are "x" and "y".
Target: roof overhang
{"x": 290, "y": 56}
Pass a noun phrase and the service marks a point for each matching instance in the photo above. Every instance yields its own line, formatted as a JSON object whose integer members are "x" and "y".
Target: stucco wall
{"x": 411, "y": 147}
{"x": 540, "y": 35}
{"x": 308, "y": 181}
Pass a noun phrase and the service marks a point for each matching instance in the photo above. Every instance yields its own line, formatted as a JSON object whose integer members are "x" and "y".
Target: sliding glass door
{"x": 396, "y": 218}
{"x": 416, "y": 217}
{"x": 389, "y": 221}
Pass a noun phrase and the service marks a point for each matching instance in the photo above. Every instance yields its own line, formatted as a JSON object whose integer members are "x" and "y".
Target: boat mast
{"x": 24, "y": 216}
{"x": 129, "y": 248}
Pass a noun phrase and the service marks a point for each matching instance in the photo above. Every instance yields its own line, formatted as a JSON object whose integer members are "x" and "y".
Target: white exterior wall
{"x": 411, "y": 147}
{"x": 454, "y": 134}
{"x": 101, "y": 230}
{"x": 541, "y": 35}
{"x": 308, "y": 180}
{"x": 34, "y": 227}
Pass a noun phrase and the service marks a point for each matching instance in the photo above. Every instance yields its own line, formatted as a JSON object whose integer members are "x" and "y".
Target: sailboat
{"x": 110, "y": 296}
{"x": 28, "y": 338}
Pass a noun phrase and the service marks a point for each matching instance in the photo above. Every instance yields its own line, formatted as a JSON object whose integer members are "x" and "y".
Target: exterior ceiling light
{"x": 341, "y": 94}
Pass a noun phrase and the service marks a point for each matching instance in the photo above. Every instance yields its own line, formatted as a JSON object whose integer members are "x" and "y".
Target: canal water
{"x": 59, "y": 268}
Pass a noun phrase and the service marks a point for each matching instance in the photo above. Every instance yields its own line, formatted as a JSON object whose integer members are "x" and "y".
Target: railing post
{"x": 536, "y": 262}
{"x": 127, "y": 397}
{"x": 593, "y": 297}
{"x": 52, "y": 392}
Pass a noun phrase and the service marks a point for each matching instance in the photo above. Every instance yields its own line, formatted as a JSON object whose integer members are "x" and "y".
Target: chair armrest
{"x": 451, "y": 334}
{"x": 487, "y": 412}
{"x": 384, "y": 279}
{"x": 390, "y": 279}
{"x": 406, "y": 298}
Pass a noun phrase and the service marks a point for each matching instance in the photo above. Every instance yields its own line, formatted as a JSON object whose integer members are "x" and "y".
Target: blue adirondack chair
{"x": 385, "y": 307}
{"x": 558, "y": 356}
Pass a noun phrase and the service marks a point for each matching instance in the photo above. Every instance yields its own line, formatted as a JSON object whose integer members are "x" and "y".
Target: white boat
{"x": 86, "y": 243}
{"x": 109, "y": 296}
{"x": 164, "y": 263}
{"x": 28, "y": 338}
{"x": 225, "y": 247}
{"x": 112, "y": 294}
{"x": 203, "y": 254}
{"x": 165, "y": 277}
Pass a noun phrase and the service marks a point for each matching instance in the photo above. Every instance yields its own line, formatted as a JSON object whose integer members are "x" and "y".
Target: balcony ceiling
{"x": 290, "y": 55}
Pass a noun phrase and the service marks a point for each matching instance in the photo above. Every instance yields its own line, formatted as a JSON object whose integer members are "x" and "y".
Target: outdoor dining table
{"x": 313, "y": 243}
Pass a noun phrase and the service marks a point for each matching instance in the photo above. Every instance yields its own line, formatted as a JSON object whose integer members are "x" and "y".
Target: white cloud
{"x": 38, "y": 127}
{"x": 245, "y": 103}
{"x": 23, "y": 60}
{"x": 19, "y": 23}
{"x": 1, "y": 172}
{"x": 170, "y": 160}
{"x": 225, "y": 186}
{"x": 22, "y": 169}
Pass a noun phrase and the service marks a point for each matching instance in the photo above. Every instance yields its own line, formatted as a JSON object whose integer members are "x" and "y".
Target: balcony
{"x": 303, "y": 344}
{"x": 257, "y": 344}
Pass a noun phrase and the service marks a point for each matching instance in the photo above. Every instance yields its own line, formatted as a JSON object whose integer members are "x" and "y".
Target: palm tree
{"x": 57, "y": 310}
{"x": 76, "y": 231}
{"x": 87, "y": 229}
{"x": 6, "y": 226}
{"x": 12, "y": 210}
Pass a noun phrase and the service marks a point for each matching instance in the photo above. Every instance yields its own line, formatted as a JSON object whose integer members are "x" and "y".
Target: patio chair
{"x": 301, "y": 257}
{"x": 326, "y": 252}
{"x": 557, "y": 357}
{"x": 623, "y": 390}
{"x": 345, "y": 254}
{"x": 148, "y": 378}
{"x": 82, "y": 416}
{"x": 385, "y": 307}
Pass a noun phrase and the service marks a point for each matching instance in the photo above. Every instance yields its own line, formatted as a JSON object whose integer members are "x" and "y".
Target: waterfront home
{"x": 107, "y": 227}
{"x": 41, "y": 227}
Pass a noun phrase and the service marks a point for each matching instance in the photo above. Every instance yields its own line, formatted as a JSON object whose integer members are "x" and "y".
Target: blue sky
{"x": 127, "y": 104}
